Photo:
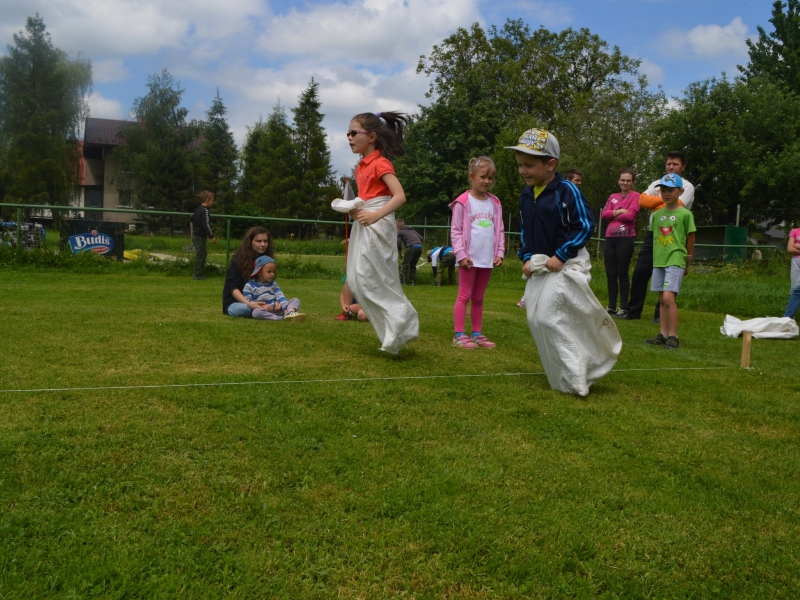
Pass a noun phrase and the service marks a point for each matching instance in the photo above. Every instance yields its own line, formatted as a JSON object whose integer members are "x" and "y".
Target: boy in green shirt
{"x": 673, "y": 244}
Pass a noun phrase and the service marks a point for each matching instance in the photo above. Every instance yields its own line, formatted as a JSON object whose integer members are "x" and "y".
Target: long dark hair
{"x": 245, "y": 256}
{"x": 389, "y": 127}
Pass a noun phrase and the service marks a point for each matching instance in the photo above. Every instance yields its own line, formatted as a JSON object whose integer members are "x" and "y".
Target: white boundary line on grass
{"x": 302, "y": 381}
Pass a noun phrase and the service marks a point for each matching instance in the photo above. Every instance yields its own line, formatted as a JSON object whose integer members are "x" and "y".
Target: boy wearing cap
{"x": 577, "y": 342}
{"x": 262, "y": 288}
{"x": 673, "y": 244}
{"x": 555, "y": 218}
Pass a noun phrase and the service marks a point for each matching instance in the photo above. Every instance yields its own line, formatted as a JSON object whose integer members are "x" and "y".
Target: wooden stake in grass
{"x": 747, "y": 339}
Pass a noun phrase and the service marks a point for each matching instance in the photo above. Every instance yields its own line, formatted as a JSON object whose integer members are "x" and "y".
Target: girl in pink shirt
{"x": 620, "y": 211}
{"x": 477, "y": 237}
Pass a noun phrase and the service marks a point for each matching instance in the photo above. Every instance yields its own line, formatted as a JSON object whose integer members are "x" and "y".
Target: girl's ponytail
{"x": 389, "y": 130}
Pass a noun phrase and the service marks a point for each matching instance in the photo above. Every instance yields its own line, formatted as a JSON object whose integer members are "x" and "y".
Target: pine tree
{"x": 272, "y": 169}
{"x": 155, "y": 159}
{"x": 42, "y": 105}
{"x": 217, "y": 159}
{"x": 315, "y": 175}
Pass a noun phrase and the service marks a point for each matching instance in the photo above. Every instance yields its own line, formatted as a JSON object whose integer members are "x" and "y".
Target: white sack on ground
{"x": 773, "y": 328}
{"x": 577, "y": 340}
{"x": 373, "y": 277}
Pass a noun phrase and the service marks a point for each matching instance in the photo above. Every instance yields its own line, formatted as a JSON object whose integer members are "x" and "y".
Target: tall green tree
{"x": 486, "y": 88}
{"x": 216, "y": 162}
{"x": 248, "y": 161}
{"x": 742, "y": 144}
{"x": 777, "y": 54}
{"x": 42, "y": 106}
{"x": 316, "y": 178}
{"x": 154, "y": 159}
{"x": 271, "y": 174}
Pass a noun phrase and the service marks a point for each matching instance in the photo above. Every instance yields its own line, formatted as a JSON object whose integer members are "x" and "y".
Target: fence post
{"x": 599, "y": 222}
{"x": 227, "y": 242}
{"x": 19, "y": 228}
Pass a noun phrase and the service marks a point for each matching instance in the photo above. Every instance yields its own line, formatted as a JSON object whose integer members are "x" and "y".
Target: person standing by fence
{"x": 201, "y": 231}
{"x": 620, "y": 211}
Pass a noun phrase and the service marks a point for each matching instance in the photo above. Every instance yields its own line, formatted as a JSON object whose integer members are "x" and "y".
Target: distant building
{"x": 99, "y": 166}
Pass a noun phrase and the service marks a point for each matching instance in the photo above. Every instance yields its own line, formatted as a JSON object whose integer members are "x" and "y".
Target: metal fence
{"x": 439, "y": 233}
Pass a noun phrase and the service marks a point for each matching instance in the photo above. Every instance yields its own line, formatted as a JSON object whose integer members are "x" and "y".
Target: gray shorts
{"x": 667, "y": 279}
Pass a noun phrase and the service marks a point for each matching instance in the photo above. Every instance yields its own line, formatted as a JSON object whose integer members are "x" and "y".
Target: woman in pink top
{"x": 620, "y": 211}
{"x": 793, "y": 248}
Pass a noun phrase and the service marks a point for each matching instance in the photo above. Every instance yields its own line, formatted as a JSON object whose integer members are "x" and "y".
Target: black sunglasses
{"x": 355, "y": 132}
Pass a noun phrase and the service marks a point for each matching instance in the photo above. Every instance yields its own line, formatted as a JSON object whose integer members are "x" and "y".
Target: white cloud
{"x": 709, "y": 41}
{"x": 713, "y": 41}
{"x": 104, "y": 108}
{"x": 110, "y": 69}
{"x": 366, "y": 31}
{"x": 130, "y": 27}
{"x": 653, "y": 71}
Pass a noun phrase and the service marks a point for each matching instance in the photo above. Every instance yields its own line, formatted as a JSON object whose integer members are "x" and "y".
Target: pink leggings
{"x": 472, "y": 285}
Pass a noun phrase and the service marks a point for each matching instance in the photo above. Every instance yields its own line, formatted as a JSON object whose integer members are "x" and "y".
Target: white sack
{"x": 774, "y": 328}
{"x": 373, "y": 277}
{"x": 577, "y": 340}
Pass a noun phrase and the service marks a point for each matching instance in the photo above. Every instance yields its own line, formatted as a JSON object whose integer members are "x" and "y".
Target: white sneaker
{"x": 297, "y": 317}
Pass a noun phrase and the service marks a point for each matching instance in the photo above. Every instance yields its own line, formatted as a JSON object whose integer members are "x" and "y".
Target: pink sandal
{"x": 463, "y": 341}
{"x": 483, "y": 341}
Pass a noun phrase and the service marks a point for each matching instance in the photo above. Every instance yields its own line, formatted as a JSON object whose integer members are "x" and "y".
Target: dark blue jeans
{"x": 618, "y": 252}
{"x": 794, "y": 303}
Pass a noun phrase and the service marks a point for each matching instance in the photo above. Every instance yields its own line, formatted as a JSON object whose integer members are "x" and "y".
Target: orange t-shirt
{"x": 368, "y": 176}
{"x": 654, "y": 203}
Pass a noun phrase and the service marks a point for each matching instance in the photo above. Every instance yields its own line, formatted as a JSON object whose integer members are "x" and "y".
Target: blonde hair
{"x": 479, "y": 163}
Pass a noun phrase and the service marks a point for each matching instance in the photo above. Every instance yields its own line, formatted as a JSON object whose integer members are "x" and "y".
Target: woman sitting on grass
{"x": 257, "y": 242}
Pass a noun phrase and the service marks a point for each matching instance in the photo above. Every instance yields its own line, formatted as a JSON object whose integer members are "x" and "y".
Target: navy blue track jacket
{"x": 558, "y": 223}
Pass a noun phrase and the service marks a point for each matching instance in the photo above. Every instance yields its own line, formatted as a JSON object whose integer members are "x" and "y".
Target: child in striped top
{"x": 262, "y": 289}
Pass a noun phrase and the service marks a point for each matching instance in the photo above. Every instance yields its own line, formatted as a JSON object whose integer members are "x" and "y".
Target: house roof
{"x": 104, "y": 132}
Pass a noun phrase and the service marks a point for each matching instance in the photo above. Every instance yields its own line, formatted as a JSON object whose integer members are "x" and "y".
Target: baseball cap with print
{"x": 671, "y": 180}
{"x": 537, "y": 142}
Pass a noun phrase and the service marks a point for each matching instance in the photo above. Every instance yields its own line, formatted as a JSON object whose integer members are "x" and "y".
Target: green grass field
{"x": 345, "y": 473}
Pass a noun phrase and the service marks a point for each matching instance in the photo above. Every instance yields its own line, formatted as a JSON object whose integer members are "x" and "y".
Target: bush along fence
{"x": 99, "y": 234}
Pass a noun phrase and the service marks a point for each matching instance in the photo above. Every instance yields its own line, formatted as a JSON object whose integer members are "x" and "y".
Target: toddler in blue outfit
{"x": 262, "y": 289}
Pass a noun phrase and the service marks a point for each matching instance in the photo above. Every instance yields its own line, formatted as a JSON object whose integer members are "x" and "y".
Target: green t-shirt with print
{"x": 670, "y": 230}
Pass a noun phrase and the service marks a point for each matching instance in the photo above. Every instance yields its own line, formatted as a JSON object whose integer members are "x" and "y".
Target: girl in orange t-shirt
{"x": 372, "y": 263}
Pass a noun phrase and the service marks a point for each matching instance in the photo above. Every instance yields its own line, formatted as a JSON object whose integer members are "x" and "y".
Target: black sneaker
{"x": 612, "y": 311}
{"x": 658, "y": 340}
{"x": 671, "y": 343}
{"x": 656, "y": 320}
{"x": 198, "y": 277}
{"x": 625, "y": 316}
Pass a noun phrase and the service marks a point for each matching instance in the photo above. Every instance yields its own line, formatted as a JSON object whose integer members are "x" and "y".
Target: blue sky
{"x": 362, "y": 52}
